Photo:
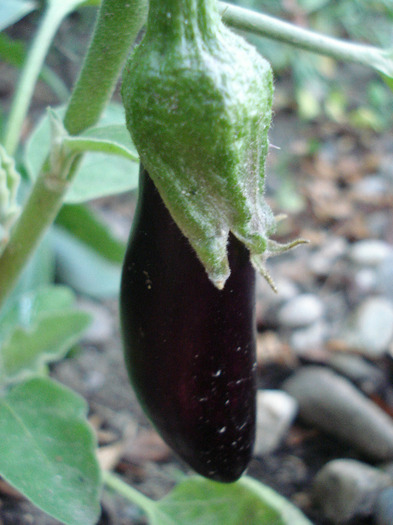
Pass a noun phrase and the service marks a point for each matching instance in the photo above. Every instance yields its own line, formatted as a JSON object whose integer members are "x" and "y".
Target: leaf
{"x": 199, "y": 501}
{"x": 25, "y": 353}
{"x": 85, "y": 225}
{"x": 83, "y": 269}
{"x": 47, "y": 450}
{"x": 290, "y": 514}
{"x": 99, "y": 174}
{"x": 13, "y": 10}
{"x": 30, "y": 307}
{"x": 38, "y": 272}
{"x": 47, "y": 328}
{"x": 12, "y": 51}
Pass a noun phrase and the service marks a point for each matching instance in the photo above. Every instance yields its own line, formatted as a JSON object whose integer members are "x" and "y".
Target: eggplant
{"x": 190, "y": 347}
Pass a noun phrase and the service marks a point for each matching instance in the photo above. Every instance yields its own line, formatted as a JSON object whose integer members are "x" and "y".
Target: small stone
{"x": 365, "y": 280}
{"x": 385, "y": 278}
{"x": 333, "y": 404}
{"x": 345, "y": 489}
{"x": 276, "y": 411}
{"x": 301, "y": 311}
{"x": 383, "y": 508}
{"x": 371, "y": 186}
{"x": 309, "y": 337}
{"x": 369, "y": 378}
{"x": 267, "y": 302}
{"x": 322, "y": 261}
{"x": 369, "y": 329}
{"x": 101, "y": 328}
{"x": 370, "y": 252}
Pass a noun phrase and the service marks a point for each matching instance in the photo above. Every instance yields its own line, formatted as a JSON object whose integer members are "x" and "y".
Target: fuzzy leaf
{"x": 99, "y": 174}
{"x": 198, "y": 500}
{"x": 47, "y": 450}
{"x": 38, "y": 329}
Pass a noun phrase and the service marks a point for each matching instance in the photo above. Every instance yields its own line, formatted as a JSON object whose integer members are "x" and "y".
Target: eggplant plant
{"x": 198, "y": 104}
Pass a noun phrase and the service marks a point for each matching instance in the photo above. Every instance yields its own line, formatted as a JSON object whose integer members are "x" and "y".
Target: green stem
{"x": 268, "y": 26}
{"x": 49, "y": 189}
{"x": 128, "y": 492}
{"x": 39, "y": 211}
{"x": 116, "y": 29}
{"x": 51, "y": 20}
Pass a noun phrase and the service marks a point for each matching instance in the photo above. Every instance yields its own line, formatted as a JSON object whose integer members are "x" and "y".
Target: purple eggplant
{"x": 189, "y": 347}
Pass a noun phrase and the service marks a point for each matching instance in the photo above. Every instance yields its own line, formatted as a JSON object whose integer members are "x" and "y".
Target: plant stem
{"x": 125, "y": 490}
{"x": 116, "y": 29}
{"x": 49, "y": 189}
{"x": 39, "y": 211}
{"x": 268, "y": 26}
{"x": 50, "y": 22}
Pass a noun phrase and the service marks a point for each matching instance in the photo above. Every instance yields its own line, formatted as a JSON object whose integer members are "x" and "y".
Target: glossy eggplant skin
{"x": 189, "y": 347}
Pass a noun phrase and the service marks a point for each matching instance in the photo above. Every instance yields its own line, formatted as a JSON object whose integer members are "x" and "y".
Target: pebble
{"x": 384, "y": 278}
{"x": 369, "y": 329}
{"x": 365, "y": 280}
{"x": 383, "y": 508}
{"x": 346, "y": 489}
{"x": 369, "y": 252}
{"x": 366, "y": 376}
{"x": 309, "y": 337}
{"x": 321, "y": 262}
{"x": 333, "y": 404}
{"x": 276, "y": 411}
{"x": 101, "y": 328}
{"x": 301, "y": 311}
{"x": 371, "y": 186}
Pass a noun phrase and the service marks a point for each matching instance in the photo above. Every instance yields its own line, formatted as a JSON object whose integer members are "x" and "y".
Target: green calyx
{"x": 198, "y": 103}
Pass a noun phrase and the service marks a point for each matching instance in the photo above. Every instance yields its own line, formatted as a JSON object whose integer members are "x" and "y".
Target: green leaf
{"x": 30, "y": 307}
{"x": 83, "y": 144}
{"x": 12, "y": 51}
{"x": 25, "y": 353}
{"x": 13, "y": 10}
{"x": 47, "y": 328}
{"x": 38, "y": 272}
{"x": 47, "y": 450}
{"x": 99, "y": 174}
{"x": 85, "y": 225}
{"x": 198, "y": 501}
{"x": 290, "y": 515}
{"x": 82, "y": 268}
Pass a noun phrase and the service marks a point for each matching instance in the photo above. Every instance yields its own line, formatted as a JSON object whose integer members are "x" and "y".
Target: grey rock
{"x": 369, "y": 329}
{"x": 101, "y": 328}
{"x": 321, "y": 262}
{"x": 365, "y": 280}
{"x": 385, "y": 278}
{"x": 300, "y": 311}
{"x": 276, "y": 411}
{"x": 370, "y": 252}
{"x": 309, "y": 337}
{"x": 369, "y": 378}
{"x": 345, "y": 489}
{"x": 383, "y": 508}
{"x": 267, "y": 302}
{"x": 371, "y": 186}
{"x": 333, "y": 404}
